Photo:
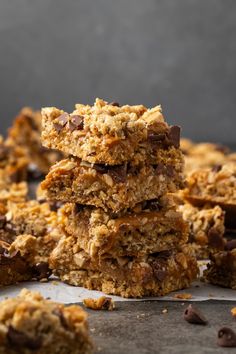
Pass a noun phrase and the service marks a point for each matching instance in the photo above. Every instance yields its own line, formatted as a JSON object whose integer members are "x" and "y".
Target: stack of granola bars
{"x": 122, "y": 232}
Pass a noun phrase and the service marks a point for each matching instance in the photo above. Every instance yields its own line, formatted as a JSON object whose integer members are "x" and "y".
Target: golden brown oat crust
{"x": 108, "y": 134}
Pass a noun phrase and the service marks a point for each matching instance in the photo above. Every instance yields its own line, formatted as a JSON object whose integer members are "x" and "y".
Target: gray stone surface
{"x": 180, "y": 53}
{"x": 141, "y": 327}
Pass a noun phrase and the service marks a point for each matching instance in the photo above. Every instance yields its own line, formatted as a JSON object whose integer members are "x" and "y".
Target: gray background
{"x": 180, "y": 53}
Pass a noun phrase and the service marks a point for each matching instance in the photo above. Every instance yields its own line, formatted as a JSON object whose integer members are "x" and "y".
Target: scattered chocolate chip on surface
{"x": 226, "y": 337}
{"x": 194, "y": 315}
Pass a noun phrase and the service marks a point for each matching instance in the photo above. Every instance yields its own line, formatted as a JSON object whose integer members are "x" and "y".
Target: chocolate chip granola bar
{"x": 114, "y": 187}
{"x": 13, "y": 163}
{"x": 151, "y": 275}
{"x": 108, "y": 133}
{"x": 12, "y": 192}
{"x": 13, "y": 267}
{"x": 222, "y": 267}
{"x": 216, "y": 186}
{"x": 206, "y": 228}
{"x": 152, "y": 226}
{"x": 29, "y": 217}
{"x": 31, "y": 324}
{"x": 25, "y": 133}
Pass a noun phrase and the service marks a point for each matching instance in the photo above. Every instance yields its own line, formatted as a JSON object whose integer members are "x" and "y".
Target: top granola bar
{"x": 108, "y": 133}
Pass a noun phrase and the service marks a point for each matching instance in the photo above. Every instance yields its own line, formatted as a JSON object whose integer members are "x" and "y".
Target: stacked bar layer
{"x": 114, "y": 187}
{"x": 109, "y": 134}
{"x": 152, "y": 227}
{"x": 152, "y": 275}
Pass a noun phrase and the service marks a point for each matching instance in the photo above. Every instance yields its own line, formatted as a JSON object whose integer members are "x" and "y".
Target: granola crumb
{"x": 233, "y": 311}
{"x": 54, "y": 282}
{"x": 102, "y": 303}
{"x": 184, "y": 296}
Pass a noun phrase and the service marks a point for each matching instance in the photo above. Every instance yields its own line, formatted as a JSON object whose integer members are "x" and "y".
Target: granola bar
{"x": 150, "y": 275}
{"x": 12, "y": 192}
{"x": 25, "y": 132}
{"x": 222, "y": 267}
{"x": 31, "y": 324}
{"x": 114, "y": 187}
{"x": 149, "y": 228}
{"x": 203, "y": 155}
{"x": 13, "y": 163}
{"x": 109, "y": 134}
{"x": 206, "y": 228}
{"x": 216, "y": 186}
{"x": 29, "y": 217}
{"x": 13, "y": 267}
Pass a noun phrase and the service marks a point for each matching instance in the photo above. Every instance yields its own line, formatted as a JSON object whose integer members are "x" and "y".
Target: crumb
{"x": 184, "y": 296}
{"x": 102, "y": 303}
{"x": 54, "y": 282}
{"x": 233, "y": 311}
{"x": 44, "y": 280}
{"x": 164, "y": 311}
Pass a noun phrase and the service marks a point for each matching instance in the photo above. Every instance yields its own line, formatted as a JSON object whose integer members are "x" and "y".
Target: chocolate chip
{"x": 174, "y": 136}
{"x": 101, "y": 168}
{"x": 215, "y": 239}
{"x": 118, "y": 173}
{"x": 216, "y": 168}
{"x": 61, "y": 122}
{"x": 230, "y": 245}
{"x": 58, "y": 312}
{"x": 152, "y": 204}
{"x": 226, "y": 337}
{"x": 222, "y": 148}
{"x": 63, "y": 119}
{"x": 170, "y": 171}
{"x": 106, "y": 303}
{"x": 159, "y": 272}
{"x": 55, "y": 205}
{"x": 41, "y": 270}
{"x": 164, "y": 254}
{"x": 156, "y": 137}
{"x": 159, "y": 168}
{"x": 41, "y": 201}
{"x": 22, "y": 340}
{"x": 3, "y": 220}
{"x": 116, "y": 104}
{"x": 78, "y": 208}
{"x": 76, "y": 123}
{"x": 194, "y": 315}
